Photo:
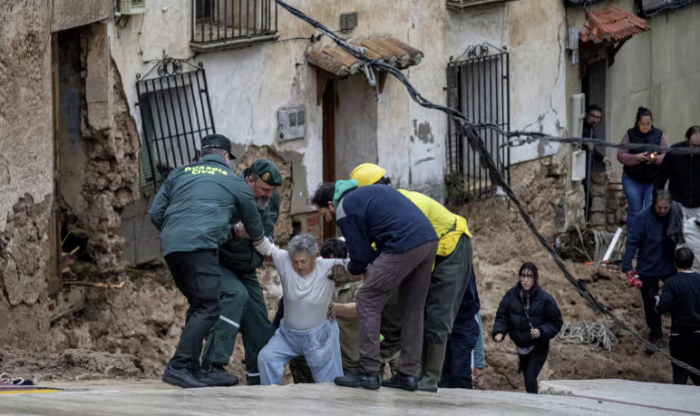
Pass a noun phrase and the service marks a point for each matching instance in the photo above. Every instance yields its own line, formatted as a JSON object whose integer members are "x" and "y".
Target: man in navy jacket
{"x": 386, "y": 229}
{"x": 650, "y": 241}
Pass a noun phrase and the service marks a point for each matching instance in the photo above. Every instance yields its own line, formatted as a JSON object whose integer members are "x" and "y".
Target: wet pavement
{"x": 156, "y": 398}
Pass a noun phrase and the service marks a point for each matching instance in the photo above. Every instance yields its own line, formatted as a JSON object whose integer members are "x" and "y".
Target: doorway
{"x": 593, "y": 86}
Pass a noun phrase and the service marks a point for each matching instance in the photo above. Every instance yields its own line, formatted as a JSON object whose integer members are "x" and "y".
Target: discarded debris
{"x": 585, "y": 332}
{"x": 95, "y": 284}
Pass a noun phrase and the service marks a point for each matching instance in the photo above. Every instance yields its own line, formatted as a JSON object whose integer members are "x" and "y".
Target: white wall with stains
{"x": 248, "y": 86}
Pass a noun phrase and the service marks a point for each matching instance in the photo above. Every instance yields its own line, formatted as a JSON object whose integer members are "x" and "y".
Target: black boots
{"x": 360, "y": 378}
{"x": 218, "y": 377}
{"x": 182, "y": 377}
{"x": 399, "y": 381}
{"x": 657, "y": 343}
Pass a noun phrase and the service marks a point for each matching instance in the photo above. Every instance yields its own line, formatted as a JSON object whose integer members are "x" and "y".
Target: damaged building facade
{"x": 101, "y": 99}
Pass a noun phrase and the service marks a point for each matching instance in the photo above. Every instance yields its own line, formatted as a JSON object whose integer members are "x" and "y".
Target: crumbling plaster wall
{"x": 110, "y": 143}
{"x": 26, "y": 167}
{"x": 248, "y": 86}
{"x": 26, "y": 150}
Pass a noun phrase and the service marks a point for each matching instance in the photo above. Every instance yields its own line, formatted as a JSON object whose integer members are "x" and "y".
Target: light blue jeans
{"x": 638, "y": 198}
{"x": 320, "y": 346}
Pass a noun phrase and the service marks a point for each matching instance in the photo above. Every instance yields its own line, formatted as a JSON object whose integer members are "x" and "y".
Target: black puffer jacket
{"x": 543, "y": 314}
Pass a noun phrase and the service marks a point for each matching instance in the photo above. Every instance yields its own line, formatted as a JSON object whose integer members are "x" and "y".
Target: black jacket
{"x": 598, "y": 152}
{"x": 682, "y": 172}
{"x": 543, "y": 314}
{"x": 681, "y": 297}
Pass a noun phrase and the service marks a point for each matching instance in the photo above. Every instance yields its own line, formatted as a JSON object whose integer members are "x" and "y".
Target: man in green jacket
{"x": 240, "y": 295}
{"x": 193, "y": 211}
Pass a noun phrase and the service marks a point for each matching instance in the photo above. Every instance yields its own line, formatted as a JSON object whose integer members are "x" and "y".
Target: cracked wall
{"x": 26, "y": 169}
{"x": 98, "y": 160}
{"x": 98, "y": 163}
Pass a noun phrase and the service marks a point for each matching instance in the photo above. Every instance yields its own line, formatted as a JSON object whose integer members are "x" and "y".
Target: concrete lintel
{"x": 231, "y": 44}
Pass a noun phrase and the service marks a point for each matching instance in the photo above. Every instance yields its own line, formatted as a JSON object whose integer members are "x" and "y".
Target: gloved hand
{"x": 266, "y": 247}
{"x": 633, "y": 279}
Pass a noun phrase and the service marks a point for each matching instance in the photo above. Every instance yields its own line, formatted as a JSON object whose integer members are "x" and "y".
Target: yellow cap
{"x": 367, "y": 174}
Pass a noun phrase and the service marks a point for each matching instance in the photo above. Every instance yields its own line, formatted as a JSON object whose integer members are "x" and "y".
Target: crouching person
{"x": 304, "y": 330}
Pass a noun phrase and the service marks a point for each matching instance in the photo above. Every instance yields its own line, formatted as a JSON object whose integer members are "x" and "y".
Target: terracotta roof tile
{"x": 387, "y": 49}
{"x": 611, "y": 24}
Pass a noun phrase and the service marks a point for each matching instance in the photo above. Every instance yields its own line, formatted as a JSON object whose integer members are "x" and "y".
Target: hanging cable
{"x": 470, "y": 132}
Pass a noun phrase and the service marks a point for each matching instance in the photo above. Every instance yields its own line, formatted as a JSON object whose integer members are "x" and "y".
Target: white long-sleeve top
{"x": 306, "y": 298}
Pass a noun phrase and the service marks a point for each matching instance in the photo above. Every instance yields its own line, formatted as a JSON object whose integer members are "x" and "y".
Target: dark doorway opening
{"x": 593, "y": 86}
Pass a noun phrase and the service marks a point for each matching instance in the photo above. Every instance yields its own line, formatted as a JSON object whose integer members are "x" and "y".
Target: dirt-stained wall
{"x": 99, "y": 167}
{"x": 249, "y": 85}
{"x": 26, "y": 167}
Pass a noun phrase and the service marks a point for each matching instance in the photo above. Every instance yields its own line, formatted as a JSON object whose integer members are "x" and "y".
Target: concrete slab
{"x": 651, "y": 395}
{"x": 305, "y": 400}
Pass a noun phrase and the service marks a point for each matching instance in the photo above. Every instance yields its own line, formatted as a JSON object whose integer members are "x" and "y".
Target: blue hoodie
{"x": 381, "y": 215}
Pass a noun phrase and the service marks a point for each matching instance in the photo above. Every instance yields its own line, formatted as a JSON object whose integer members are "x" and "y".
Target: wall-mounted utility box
{"x": 348, "y": 21}
{"x": 291, "y": 123}
{"x": 127, "y": 7}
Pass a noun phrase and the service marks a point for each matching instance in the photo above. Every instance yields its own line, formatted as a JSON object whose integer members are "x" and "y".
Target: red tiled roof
{"x": 611, "y": 24}
{"x": 388, "y": 49}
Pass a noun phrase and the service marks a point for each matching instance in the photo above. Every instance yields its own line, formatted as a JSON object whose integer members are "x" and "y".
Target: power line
{"x": 471, "y": 133}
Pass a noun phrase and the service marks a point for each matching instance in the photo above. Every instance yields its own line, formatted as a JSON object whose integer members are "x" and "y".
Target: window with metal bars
{"x": 176, "y": 113}
{"x": 478, "y": 86}
{"x": 218, "y": 24}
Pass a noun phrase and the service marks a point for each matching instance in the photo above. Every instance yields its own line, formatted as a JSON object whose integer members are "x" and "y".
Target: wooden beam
{"x": 613, "y": 50}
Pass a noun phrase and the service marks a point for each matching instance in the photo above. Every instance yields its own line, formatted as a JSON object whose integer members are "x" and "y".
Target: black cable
{"x": 475, "y": 142}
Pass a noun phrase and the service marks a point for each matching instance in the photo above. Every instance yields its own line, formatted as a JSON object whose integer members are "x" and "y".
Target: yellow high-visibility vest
{"x": 448, "y": 226}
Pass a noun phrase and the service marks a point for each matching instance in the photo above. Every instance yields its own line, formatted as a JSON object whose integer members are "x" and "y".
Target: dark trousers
{"x": 448, "y": 282}
{"x": 650, "y": 289}
{"x": 410, "y": 271}
{"x": 457, "y": 368}
{"x": 531, "y": 365}
{"x": 198, "y": 277}
{"x": 685, "y": 347}
{"x": 243, "y": 310}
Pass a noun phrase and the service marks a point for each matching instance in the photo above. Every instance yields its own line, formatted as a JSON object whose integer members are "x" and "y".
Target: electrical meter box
{"x": 291, "y": 123}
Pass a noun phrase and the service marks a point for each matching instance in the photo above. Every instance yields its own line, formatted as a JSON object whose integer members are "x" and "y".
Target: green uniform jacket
{"x": 238, "y": 254}
{"x": 196, "y": 205}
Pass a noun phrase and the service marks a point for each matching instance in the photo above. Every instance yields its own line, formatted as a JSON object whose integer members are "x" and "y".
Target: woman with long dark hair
{"x": 531, "y": 317}
{"x": 641, "y": 167}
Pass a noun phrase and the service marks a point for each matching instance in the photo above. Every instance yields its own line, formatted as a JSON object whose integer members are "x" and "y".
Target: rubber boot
{"x": 432, "y": 367}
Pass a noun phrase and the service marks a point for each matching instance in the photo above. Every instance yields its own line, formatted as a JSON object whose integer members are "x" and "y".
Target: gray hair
{"x": 303, "y": 243}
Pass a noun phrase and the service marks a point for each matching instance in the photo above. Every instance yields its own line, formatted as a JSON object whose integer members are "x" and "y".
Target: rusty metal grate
{"x": 222, "y": 21}
{"x": 175, "y": 113}
{"x": 479, "y": 86}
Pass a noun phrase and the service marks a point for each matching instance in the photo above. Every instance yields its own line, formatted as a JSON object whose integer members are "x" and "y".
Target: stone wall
{"x": 608, "y": 207}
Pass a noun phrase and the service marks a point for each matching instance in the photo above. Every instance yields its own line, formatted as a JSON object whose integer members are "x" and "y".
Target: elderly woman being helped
{"x": 305, "y": 329}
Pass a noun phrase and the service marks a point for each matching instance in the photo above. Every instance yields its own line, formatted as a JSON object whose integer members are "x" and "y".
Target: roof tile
{"x": 386, "y": 49}
{"x": 611, "y": 24}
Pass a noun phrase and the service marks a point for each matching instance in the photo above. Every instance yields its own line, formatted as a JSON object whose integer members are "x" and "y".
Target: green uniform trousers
{"x": 447, "y": 286}
{"x": 242, "y": 309}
